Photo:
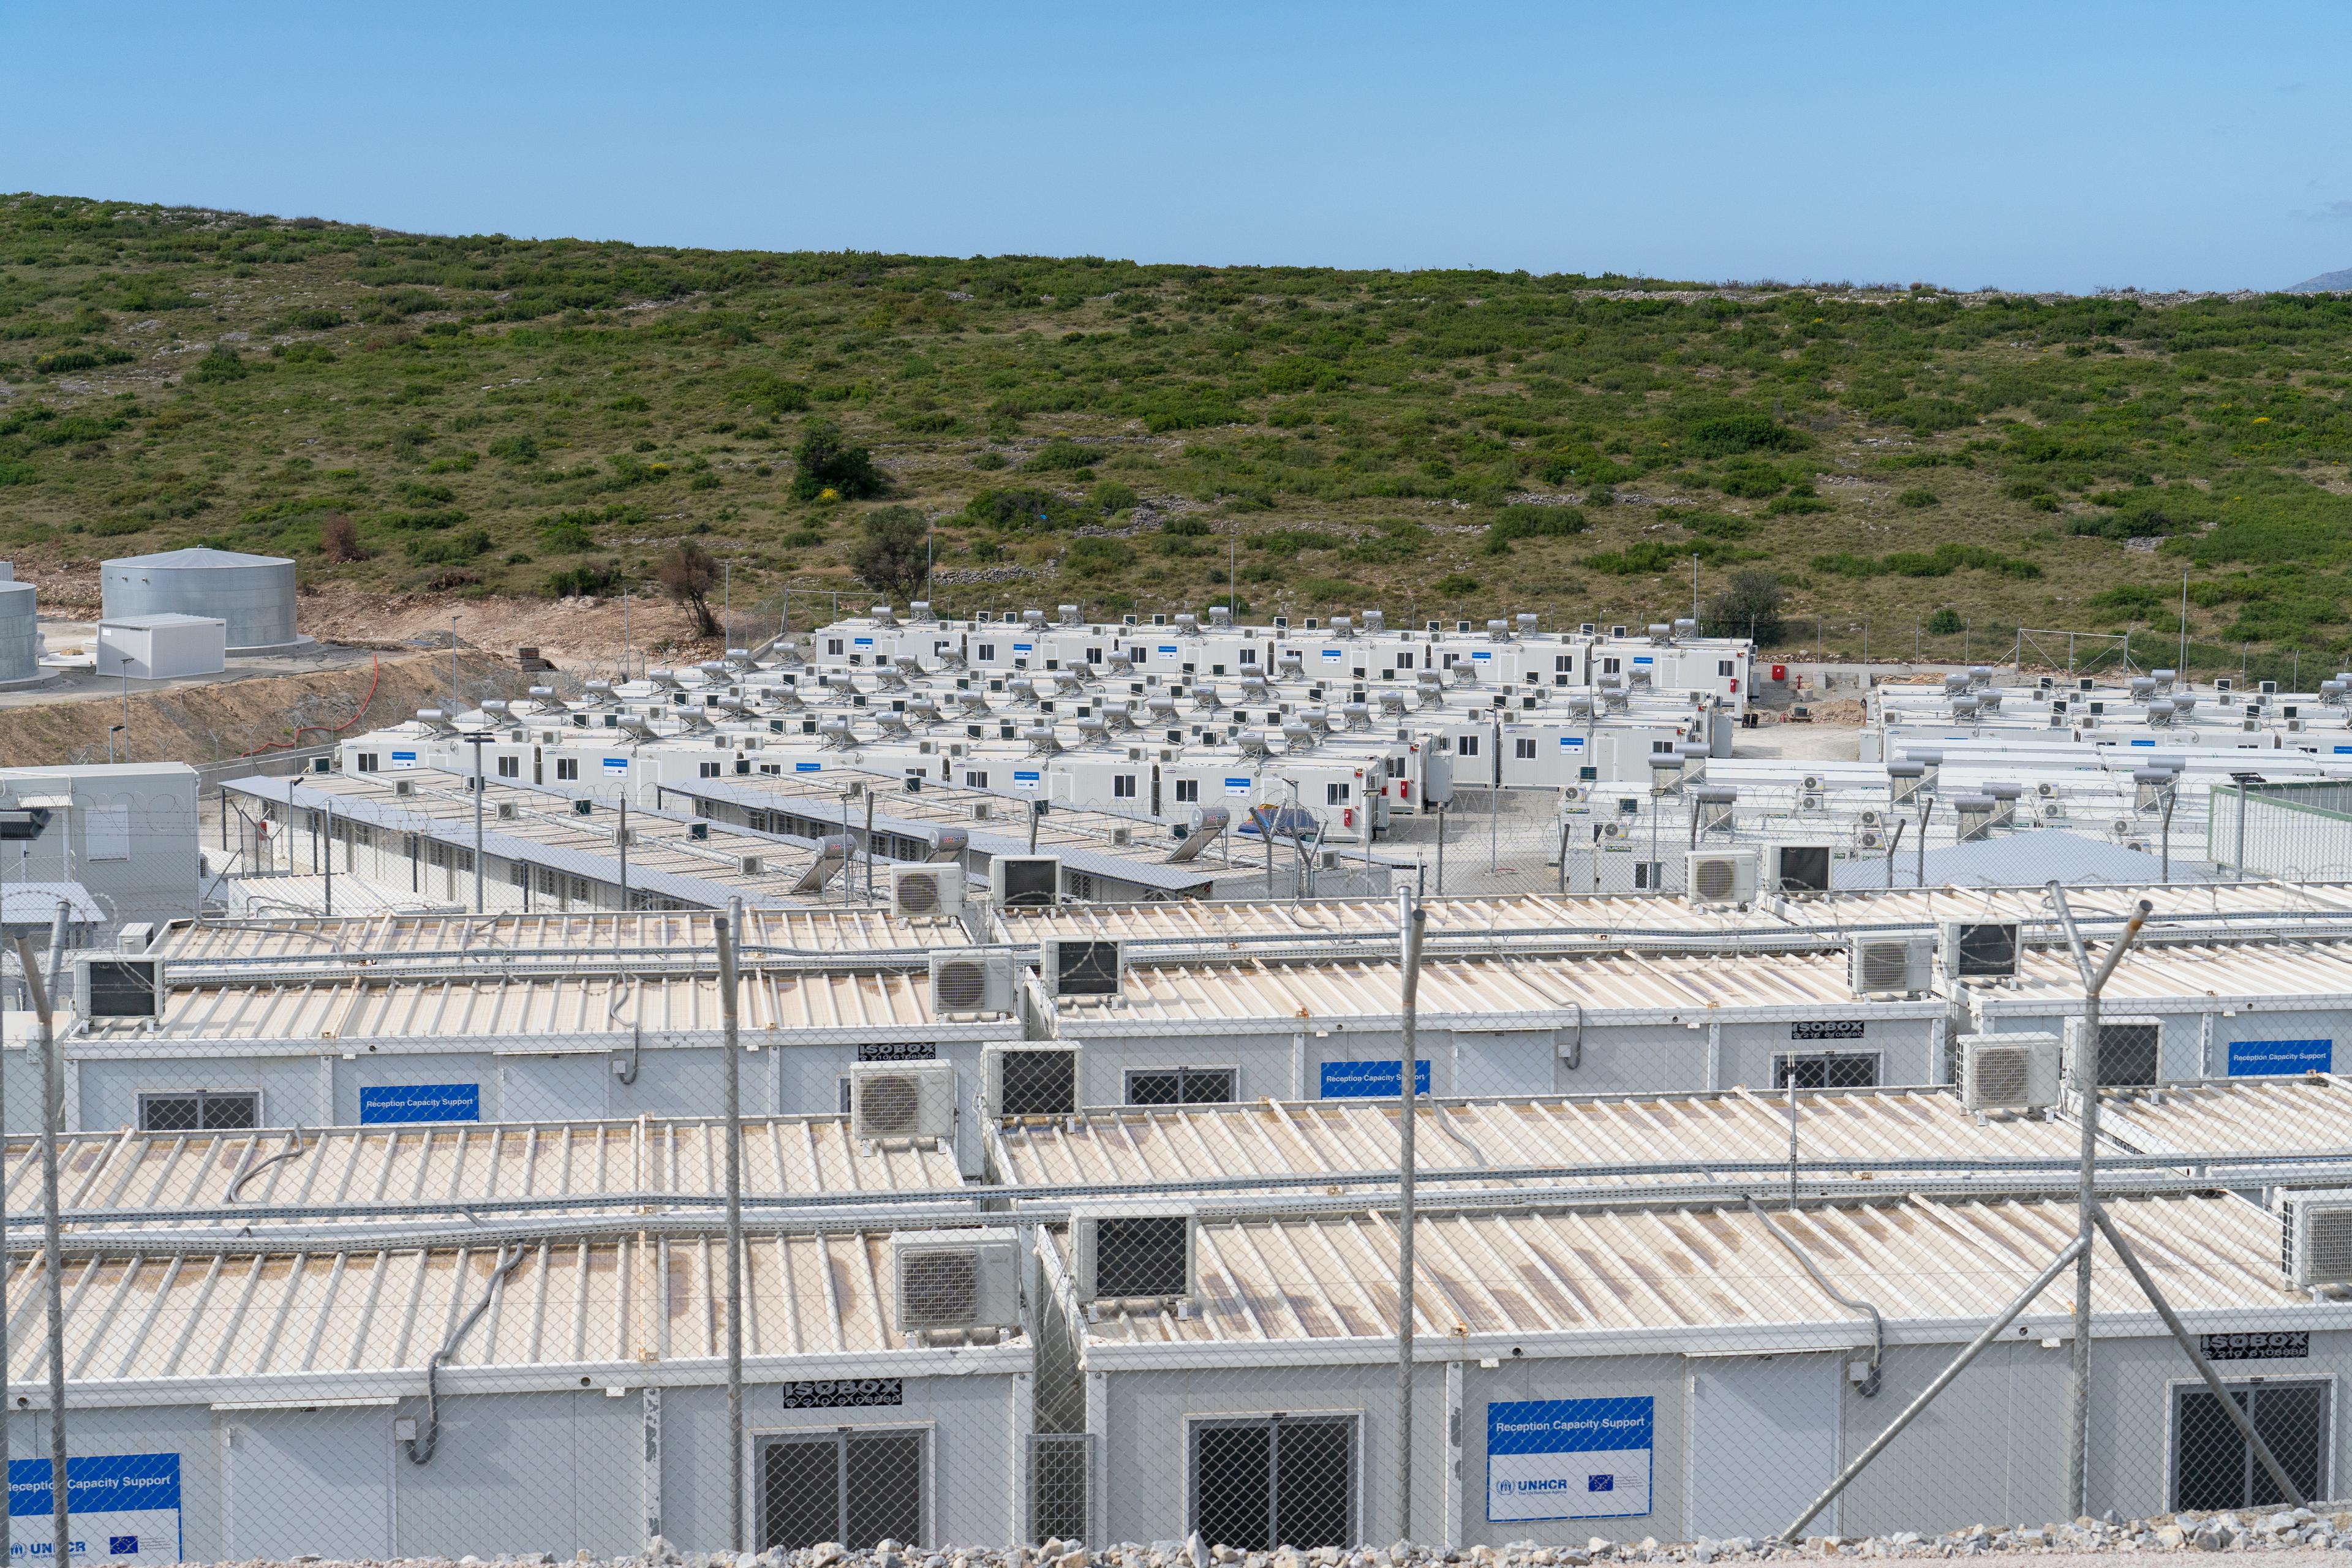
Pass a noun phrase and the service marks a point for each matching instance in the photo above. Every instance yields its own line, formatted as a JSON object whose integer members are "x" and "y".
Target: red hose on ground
{"x": 375, "y": 673}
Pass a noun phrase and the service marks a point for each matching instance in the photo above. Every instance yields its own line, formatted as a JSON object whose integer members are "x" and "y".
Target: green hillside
{"x": 481, "y": 415}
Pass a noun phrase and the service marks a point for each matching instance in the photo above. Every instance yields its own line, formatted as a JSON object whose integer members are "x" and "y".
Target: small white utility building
{"x": 159, "y": 647}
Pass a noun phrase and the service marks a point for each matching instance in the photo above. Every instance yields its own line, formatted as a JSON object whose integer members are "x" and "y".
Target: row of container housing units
{"x": 1624, "y": 1370}
{"x": 1091, "y": 1023}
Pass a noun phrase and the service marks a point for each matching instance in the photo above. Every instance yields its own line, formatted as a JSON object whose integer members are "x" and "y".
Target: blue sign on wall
{"x": 420, "y": 1102}
{"x": 1369, "y": 1080}
{"x": 1569, "y": 1458}
{"x": 2266, "y": 1058}
{"x": 130, "y": 1501}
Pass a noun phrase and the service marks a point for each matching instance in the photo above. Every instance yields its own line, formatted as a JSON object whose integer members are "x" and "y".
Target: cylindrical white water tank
{"x": 254, "y": 594}
{"x": 20, "y": 639}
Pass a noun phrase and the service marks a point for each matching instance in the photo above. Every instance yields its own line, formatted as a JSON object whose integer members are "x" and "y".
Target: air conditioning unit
{"x": 1029, "y": 1080}
{"x": 2316, "y": 1238}
{"x": 1081, "y": 966}
{"x": 1870, "y": 838}
{"x": 957, "y": 1280}
{"x": 1026, "y": 881}
{"x": 1872, "y": 817}
{"x": 1127, "y": 1253}
{"x": 2053, "y": 811}
{"x": 1572, "y": 795}
{"x": 1713, "y": 877}
{"x": 2009, "y": 1072}
{"x": 403, "y": 787}
{"x": 1885, "y": 964}
{"x": 974, "y": 982}
{"x": 508, "y": 811}
{"x": 979, "y": 811}
{"x": 116, "y": 985}
{"x": 1797, "y": 869}
{"x": 2131, "y": 1052}
{"x": 749, "y": 865}
{"x": 2294, "y": 726}
{"x": 1614, "y": 830}
{"x": 1809, "y": 802}
{"x": 1980, "y": 950}
{"x": 913, "y": 1101}
{"x": 2046, "y": 790}
{"x": 926, "y": 891}
{"x": 1810, "y": 782}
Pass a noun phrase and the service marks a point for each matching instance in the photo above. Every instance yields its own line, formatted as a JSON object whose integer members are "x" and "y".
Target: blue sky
{"x": 2027, "y": 147}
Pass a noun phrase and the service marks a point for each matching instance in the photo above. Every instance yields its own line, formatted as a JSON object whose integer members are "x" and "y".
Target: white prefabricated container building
{"x": 162, "y": 647}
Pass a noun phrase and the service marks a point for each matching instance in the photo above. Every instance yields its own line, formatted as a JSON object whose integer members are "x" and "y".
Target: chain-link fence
{"x": 408, "y": 1236}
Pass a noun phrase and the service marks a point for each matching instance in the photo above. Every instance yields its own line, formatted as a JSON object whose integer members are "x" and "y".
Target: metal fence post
{"x": 2086, "y": 1086}
{"x": 728, "y": 928}
{"x": 1410, "y": 918}
{"x": 52, "y": 1238}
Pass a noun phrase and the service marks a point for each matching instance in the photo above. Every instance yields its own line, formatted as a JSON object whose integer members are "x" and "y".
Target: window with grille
{"x": 856, "y": 1488}
{"x": 367, "y": 762}
{"x": 1524, "y": 748}
{"x": 1608, "y": 667}
{"x": 1187, "y": 790}
{"x": 975, "y": 778}
{"x": 708, "y": 770}
{"x": 1649, "y": 876}
{"x": 200, "y": 1110}
{"x": 1274, "y": 1480}
{"x": 2214, "y": 1468}
{"x": 510, "y": 767}
{"x": 1723, "y": 667}
{"x": 1826, "y": 1069}
{"x": 1249, "y": 655}
{"x": 1038, "y": 1083}
{"x": 1564, "y": 663}
{"x": 1181, "y": 1086}
{"x": 1122, "y": 786}
{"x": 1337, "y": 794}
{"x": 567, "y": 768}
{"x": 1404, "y": 661}
{"x": 1466, "y": 745}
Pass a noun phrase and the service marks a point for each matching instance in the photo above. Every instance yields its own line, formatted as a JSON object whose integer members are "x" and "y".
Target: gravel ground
{"x": 2287, "y": 1537}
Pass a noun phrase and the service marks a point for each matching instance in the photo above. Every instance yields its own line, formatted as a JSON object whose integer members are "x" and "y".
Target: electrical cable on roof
{"x": 248, "y": 1174}
{"x": 420, "y": 1448}
{"x": 1868, "y": 1386}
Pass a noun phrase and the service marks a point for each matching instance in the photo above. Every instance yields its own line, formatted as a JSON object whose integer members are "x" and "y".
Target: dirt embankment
{"x": 211, "y": 724}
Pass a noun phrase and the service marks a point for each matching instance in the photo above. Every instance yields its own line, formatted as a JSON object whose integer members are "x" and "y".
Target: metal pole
{"x": 1943, "y": 1380}
{"x": 1408, "y": 1118}
{"x": 1894, "y": 842}
{"x": 2188, "y": 1342}
{"x": 477, "y": 823}
{"x": 622, "y": 844}
{"x": 2183, "y": 662}
{"x": 869, "y": 843}
{"x": 1440, "y": 851}
{"x": 728, "y": 931}
{"x": 2086, "y": 1086}
{"x": 330, "y": 857}
{"x": 2242, "y": 830}
{"x": 2168, "y": 795}
{"x": 1926, "y": 810}
{"x": 52, "y": 1237}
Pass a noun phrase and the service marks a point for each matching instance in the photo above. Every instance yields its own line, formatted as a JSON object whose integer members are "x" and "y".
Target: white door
{"x": 307, "y": 1481}
{"x": 1763, "y": 1441}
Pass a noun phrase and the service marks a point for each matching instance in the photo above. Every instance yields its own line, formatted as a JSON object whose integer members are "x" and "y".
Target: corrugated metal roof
{"x": 2268, "y": 973}
{"x": 298, "y": 898}
{"x": 463, "y": 1163}
{"x": 247, "y": 1319}
{"x": 1671, "y": 1271}
{"x": 1177, "y": 1143}
{"x": 550, "y": 1013}
{"x": 2074, "y": 858}
{"x": 2272, "y": 1115}
{"x": 1830, "y": 914}
{"x": 36, "y": 903}
{"x": 1503, "y": 993}
{"x": 377, "y": 936}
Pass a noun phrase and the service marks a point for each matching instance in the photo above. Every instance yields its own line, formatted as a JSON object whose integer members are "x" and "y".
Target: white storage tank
{"x": 20, "y": 637}
{"x": 254, "y": 594}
